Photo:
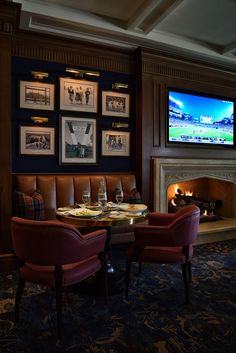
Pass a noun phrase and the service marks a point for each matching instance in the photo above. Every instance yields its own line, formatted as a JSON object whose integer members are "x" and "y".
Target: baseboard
{"x": 7, "y": 262}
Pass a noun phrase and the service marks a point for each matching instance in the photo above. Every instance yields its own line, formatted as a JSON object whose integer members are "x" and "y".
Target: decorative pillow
{"x": 132, "y": 197}
{"x": 29, "y": 206}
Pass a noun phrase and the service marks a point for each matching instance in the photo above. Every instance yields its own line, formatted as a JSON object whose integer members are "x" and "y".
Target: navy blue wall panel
{"x": 21, "y": 71}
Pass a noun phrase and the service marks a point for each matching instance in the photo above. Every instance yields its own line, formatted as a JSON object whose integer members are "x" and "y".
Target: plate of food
{"x": 64, "y": 209}
{"x": 132, "y": 208}
{"x": 84, "y": 212}
{"x": 90, "y": 206}
{"x": 117, "y": 215}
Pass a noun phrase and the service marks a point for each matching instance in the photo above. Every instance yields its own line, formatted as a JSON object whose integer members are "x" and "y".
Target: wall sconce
{"x": 119, "y": 125}
{"x": 81, "y": 73}
{"x": 39, "y": 119}
{"x": 39, "y": 75}
{"x": 119, "y": 85}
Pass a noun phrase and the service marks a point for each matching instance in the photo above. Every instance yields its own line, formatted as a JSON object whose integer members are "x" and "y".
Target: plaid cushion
{"x": 29, "y": 206}
{"x": 132, "y": 197}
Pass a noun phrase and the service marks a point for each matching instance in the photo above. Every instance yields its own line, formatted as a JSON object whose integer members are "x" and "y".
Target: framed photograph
{"x": 37, "y": 140}
{"x": 78, "y": 140}
{"x": 115, "y": 143}
{"x": 115, "y": 104}
{"x": 78, "y": 95}
{"x": 37, "y": 95}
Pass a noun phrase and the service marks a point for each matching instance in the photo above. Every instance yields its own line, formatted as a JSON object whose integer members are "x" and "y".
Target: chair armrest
{"x": 160, "y": 219}
{"x": 148, "y": 235}
{"x": 94, "y": 243}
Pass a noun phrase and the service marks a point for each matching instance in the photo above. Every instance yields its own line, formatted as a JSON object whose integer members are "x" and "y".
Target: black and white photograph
{"x": 37, "y": 95}
{"x": 78, "y": 95}
{"x": 36, "y": 140}
{"x": 115, "y": 143}
{"x": 115, "y": 104}
{"x": 78, "y": 140}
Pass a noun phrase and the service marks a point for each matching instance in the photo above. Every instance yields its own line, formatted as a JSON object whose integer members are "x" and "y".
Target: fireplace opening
{"x": 214, "y": 197}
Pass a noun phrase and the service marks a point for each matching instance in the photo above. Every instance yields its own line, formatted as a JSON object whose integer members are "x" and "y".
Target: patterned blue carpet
{"x": 153, "y": 320}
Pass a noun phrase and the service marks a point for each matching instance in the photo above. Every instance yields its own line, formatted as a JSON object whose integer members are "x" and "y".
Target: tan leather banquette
{"x": 59, "y": 190}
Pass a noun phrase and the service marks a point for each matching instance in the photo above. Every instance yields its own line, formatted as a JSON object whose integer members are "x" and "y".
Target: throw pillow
{"x": 132, "y": 197}
{"x": 29, "y": 206}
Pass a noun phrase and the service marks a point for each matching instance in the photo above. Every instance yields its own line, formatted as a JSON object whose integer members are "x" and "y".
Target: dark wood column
{"x": 9, "y": 14}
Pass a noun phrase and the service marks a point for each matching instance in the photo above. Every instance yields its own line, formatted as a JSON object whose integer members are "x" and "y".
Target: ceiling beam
{"x": 151, "y": 13}
{"x": 230, "y": 49}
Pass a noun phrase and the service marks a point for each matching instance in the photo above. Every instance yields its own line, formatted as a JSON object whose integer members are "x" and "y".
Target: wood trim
{"x": 9, "y": 17}
{"x": 156, "y": 114}
{"x": 72, "y": 53}
{"x": 176, "y": 68}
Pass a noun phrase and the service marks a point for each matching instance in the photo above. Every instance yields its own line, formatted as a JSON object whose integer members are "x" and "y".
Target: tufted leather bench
{"x": 59, "y": 190}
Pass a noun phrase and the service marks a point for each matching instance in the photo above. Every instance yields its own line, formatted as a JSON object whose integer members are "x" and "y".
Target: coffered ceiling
{"x": 202, "y": 29}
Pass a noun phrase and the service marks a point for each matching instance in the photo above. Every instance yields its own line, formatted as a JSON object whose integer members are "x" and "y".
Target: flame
{"x": 173, "y": 202}
{"x": 188, "y": 193}
{"x": 205, "y": 213}
{"x": 176, "y": 187}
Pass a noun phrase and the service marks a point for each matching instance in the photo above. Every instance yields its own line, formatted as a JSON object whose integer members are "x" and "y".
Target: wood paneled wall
{"x": 158, "y": 72}
{"x": 9, "y": 15}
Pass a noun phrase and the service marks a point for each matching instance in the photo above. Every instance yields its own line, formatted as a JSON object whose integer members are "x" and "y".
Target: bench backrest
{"x": 63, "y": 189}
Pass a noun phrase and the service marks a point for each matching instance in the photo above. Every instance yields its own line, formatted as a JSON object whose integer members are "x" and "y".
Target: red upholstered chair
{"x": 166, "y": 239}
{"x": 56, "y": 255}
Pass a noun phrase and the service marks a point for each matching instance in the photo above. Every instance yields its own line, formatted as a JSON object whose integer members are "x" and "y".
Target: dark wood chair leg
{"x": 19, "y": 291}
{"x": 189, "y": 265}
{"x": 103, "y": 259}
{"x": 58, "y": 289}
{"x": 127, "y": 278}
{"x": 186, "y": 282}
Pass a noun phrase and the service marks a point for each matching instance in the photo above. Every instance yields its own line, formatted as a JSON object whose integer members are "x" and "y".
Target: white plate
{"x": 63, "y": 209}
{"x": 132, "y": 208}
{"x": 117, "y": 215}
{"x": 89, "y": 207}
{"x": 84, "y": 212}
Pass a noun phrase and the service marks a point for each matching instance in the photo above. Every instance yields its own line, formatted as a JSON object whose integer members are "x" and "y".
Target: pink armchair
{"x": 56, "y": 255}
{"x": 167, "y": 239}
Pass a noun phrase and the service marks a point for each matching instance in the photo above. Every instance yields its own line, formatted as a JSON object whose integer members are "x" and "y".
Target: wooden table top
{"x": 105, "y": 219}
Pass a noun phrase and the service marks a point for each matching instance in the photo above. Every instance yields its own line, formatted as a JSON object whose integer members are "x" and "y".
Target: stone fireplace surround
{"x": 171, "y": 171}
{"x": 168, "y": 171}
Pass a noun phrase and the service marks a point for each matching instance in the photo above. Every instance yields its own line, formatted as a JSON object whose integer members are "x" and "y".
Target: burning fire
{"x": 185, "y": 193}
{"x": 176, "y": 187}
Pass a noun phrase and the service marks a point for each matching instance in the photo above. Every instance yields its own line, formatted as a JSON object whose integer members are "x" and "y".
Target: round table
{"x": 102, "y": 221}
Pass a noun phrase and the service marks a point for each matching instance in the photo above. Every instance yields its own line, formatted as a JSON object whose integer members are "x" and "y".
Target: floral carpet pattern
{"x": 153, "y": 320}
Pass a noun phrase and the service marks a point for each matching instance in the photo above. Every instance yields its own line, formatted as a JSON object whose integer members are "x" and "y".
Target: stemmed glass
{"x": 119, "y": 196}
{"x": 86, "y": 197}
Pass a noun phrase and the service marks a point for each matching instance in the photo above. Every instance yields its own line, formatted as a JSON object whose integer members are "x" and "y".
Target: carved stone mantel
{"x": 170, "y": 171}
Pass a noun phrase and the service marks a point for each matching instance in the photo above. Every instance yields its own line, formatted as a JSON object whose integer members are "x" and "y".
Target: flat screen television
{"x": 200, "y": 119}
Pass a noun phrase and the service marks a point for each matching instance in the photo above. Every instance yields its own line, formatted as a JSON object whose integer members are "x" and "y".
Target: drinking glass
{"x": 119, "y": 196}
{"x": 86, "y": 197}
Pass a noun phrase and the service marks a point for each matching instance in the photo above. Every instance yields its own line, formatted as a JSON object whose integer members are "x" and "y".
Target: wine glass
{"x": 119, "y": 196}
{"x": 86, "y": 197}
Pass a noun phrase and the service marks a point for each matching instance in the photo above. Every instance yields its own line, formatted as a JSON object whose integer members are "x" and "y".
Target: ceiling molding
{"x": 172, "y": 26}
